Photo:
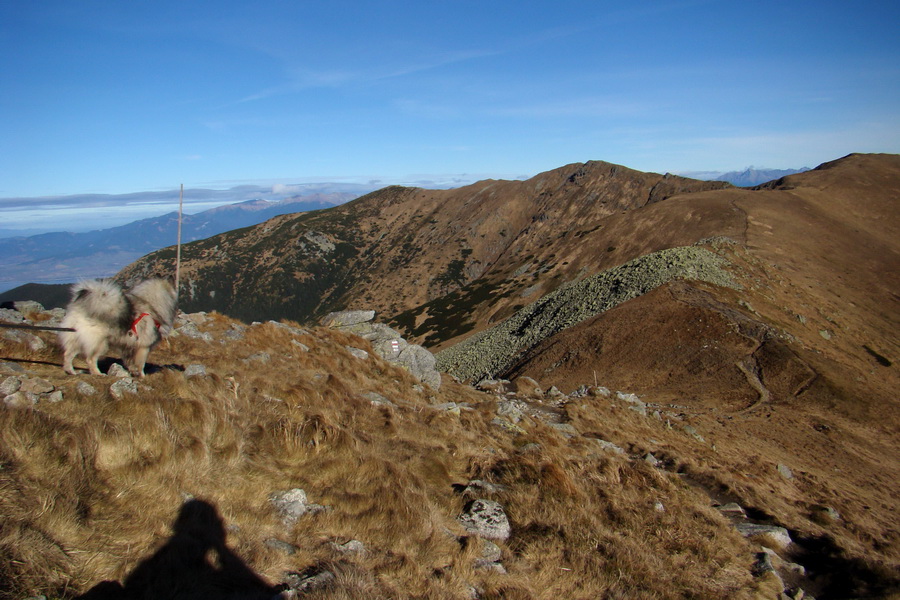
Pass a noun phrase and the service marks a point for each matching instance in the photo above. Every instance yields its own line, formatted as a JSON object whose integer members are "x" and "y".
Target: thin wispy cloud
{"x": 300, "y": 78}
{"x": 241, "y": 91}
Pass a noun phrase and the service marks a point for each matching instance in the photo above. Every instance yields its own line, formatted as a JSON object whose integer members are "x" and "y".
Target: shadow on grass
{"x": 193, "y": 564}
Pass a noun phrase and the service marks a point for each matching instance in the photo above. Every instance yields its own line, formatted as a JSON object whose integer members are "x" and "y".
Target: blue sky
{"x": 117, "y": 97}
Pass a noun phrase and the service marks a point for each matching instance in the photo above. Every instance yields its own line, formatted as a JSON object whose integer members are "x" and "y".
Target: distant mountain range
{"x": 66, "y": 256}
{"x": 749, "y": 177}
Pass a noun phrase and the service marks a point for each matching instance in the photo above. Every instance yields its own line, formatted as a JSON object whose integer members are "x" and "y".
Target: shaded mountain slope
{"x": 100, "y": 253}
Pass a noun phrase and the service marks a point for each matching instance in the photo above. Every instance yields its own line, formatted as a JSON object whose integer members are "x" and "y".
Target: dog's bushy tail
{"x": 102, "y": 299}
{"x": 159, "y": 296}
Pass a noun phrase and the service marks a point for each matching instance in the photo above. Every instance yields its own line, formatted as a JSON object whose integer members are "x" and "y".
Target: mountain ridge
{"x": 100, "y": 253}
{"x": 390, "y": 239}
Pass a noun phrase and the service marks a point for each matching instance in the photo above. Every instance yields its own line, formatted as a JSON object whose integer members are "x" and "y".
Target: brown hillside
{"x": 399, "y": 249}
{"x": 799, "y": 367}
{"x": 162, "y": 488}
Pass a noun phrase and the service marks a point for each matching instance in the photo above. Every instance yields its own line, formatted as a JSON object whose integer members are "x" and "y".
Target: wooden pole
{"x": 178, "y": 250}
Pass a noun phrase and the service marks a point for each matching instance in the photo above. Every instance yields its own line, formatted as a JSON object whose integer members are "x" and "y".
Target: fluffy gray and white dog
{"x": 105, "y": 316}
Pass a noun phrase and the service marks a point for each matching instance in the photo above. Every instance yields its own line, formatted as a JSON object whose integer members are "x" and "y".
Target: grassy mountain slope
{"x": 94, "y": 487}
{"x": 398, "y": 249}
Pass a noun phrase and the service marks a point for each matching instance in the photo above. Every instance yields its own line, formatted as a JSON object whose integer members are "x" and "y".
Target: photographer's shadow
{"x": 194, "y": 564}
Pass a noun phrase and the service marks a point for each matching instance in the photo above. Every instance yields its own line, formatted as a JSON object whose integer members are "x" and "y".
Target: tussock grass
{"x": 92, "y": 487}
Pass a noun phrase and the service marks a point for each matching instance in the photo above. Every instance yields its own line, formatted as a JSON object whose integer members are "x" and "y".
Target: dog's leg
{"x": 68, "y": 357}
{"x": 138, "y": 360}
{"x": 92, "y": 364}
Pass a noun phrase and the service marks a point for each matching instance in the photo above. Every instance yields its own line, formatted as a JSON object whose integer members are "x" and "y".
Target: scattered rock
{"x": 599, "y": 391}
{"x": 609, "y": 446}
{"x": 490, "y": 551}
{"x": 195, "y": 370}
{"x": 233, "y": 335}
{"x": 11, "y": 316}
{"x": 566, "y": 429}
{"x": 825, "y": 515}
{"x": 304, "y": 583}
{"x": 117, "y": 370}
{"x": 348, "y": 318}
{"x": 692, "y": 431}
{"x": 21, "y": 400}
{"x": 510, "y": 410}
{"x": 556, "y": 396}
{"x": 785, "y": 471}
{"x": 22, "y": 337}
{"x": 27, "y": 306}
{"x": 34, "y": 342}
{"x": 262, "y": 357}
{"x": 357, "y": 352}
{"x": 495, "y": 386}
{"x": 10, "y": 385}
{"x": 778, "y": 536}
{"x": 291, "y": 504}
{"x": 37, "y": 386}
{"x": 387, "y": 344}
{"x": 451, "y": 407}
{"x": 122, "y": 387}
{"x": 281, "y": 546}
{"x": 421, "y": 365}
{"x": 529, "y": 448}
{"x": 506, "y": 425}
{"x": 762, "y": 565}
{"x": 486, "y": 519}
{"x": 377, "y": 399}
{"x": 733, "y": 510}
{"x": 290, "y": 328}
{"x": 191, "y": 330}
{"x": 635, "y": 403}
{"x": 352, "y": 547}
{"x": 85, "y": 389}
{"x": 651, "y": 460}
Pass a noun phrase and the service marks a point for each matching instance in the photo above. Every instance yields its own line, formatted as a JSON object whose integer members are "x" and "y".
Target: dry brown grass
{"x": 90, "y": 487}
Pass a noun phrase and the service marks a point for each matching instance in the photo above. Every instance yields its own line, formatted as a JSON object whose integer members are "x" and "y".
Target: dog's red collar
{"x": 134, "y": 324}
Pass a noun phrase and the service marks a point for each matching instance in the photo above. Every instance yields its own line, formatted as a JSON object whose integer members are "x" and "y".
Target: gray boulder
{"x": 122, "y": 387}
{"x": 195, "y": 370}
{"x": 21, "y": 399}
{"x": 420, "y": 363}
{"x": 348, "y": 317}
{"x": 10, "y": 385}
{"x": 486, "y": 519}
{"x": 291, "y": 504}
{"x": 387, "y": 344}
{"x": 85, "y": 389}
{"x": 778, "y": 536}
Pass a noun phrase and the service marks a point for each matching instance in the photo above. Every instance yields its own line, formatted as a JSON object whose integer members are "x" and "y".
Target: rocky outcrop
{"x": 388, "y": 344}
{"x": 492, "y": 351}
